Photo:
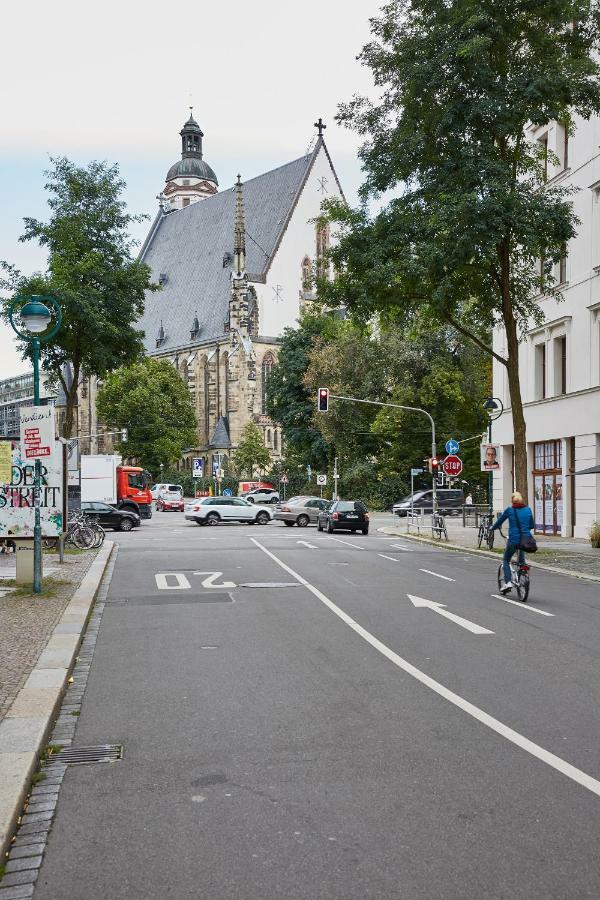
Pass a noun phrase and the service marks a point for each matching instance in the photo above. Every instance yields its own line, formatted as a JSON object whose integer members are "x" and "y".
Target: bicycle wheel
{"x": 489, "y": 539}
{"x": 523, "y": 586}
{"x": 83, "y": 537}
{"x": 99, "y": 535}
{"x": 480, "y": 536}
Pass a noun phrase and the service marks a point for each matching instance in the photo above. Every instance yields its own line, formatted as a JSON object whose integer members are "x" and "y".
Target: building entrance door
{"x": 548, "y": 487}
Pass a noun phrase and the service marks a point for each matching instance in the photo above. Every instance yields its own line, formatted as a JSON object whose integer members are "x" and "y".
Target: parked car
{"x": 344, "y": 515}
{"x": 212, "y": 510}
{"x": 449, "y": 500}
{"x": 301, "y": 511}
{"x": 262, "y": 495}
{"x": 109, "y": 517}
{"x": 157, "y": 489}
{"x": 170, "y": 500}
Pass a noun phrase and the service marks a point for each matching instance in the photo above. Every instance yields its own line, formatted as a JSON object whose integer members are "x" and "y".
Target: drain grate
{"x": 79, "y": 756}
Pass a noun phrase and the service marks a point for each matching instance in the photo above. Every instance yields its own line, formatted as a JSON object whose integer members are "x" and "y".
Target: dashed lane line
{"x": 533, "y": 609}
{"x": 514, "y": 737}
{"x": 437, "y": 574}
{"x": 393, "y": 558}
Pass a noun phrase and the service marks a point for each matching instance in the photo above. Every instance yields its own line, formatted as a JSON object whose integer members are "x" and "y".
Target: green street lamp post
{"x": 40, "y": 318}
{"x": 494, "y": 408}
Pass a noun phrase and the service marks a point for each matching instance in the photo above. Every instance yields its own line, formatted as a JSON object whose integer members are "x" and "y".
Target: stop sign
{"x": 452, "y": 466}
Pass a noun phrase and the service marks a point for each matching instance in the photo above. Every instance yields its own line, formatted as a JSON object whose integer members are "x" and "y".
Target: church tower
{"x": 191, "y": 178}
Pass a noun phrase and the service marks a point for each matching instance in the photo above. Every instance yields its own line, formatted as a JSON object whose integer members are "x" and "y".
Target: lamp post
{"x": 494, "y": 408}
{"x": 36, "y": 314}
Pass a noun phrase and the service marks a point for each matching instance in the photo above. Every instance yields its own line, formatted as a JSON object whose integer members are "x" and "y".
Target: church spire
{"x": 239, "y": 238}
{"x": 191, "y": 138}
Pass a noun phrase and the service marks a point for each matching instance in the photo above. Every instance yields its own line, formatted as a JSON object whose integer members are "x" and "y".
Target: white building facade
{"x": 560, "y": 360}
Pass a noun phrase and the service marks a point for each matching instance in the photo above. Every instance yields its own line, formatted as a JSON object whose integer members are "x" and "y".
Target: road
{"x": 301, "y": 720}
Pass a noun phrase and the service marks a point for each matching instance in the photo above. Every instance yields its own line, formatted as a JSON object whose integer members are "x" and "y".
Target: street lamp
{"x": 494, "y": 408}
{"x": 36, "y": 315}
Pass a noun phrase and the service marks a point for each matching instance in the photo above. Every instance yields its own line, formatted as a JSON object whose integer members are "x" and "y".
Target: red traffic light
{"x": 435, "y": 462}
{"x": 323, "y": 400}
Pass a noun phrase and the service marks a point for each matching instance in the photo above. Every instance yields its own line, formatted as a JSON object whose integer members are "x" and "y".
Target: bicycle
{"x": 438, "y": 527}
{"x": 485, "y": 535}
{"x": 519, "y": 577}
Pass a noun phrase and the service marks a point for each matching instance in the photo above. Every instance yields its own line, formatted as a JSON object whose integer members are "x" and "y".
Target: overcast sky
{"x": 114, "y": 80}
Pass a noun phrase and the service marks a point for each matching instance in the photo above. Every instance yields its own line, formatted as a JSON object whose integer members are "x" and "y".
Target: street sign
{"x": 414, "y": 472}
{"x": 285, "y": 479}
{"x": 227, "y": 492}
{"x": 452, "y": 447}
{"x": 197, "y": 467}
{"x": 452, "y": 466}
{"x": 322, "y": 480}
{"x": 220, "y": 473}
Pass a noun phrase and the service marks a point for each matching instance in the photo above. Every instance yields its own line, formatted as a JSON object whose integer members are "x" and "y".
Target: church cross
{"x": 323, "y": 185}
{"x": 320, "y": 125}
{"x": 277, "y": 289}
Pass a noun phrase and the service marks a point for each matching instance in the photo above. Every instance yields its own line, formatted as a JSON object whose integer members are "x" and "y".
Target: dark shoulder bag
{"x": 527, "y": 542}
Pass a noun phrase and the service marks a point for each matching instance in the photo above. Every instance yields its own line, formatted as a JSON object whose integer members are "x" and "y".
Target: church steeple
{"x": 191, "y": 138}
{"x": 239, "y": 236}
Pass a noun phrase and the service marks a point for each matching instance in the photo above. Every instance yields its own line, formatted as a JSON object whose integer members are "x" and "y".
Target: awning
{"x": 593, "y": 470}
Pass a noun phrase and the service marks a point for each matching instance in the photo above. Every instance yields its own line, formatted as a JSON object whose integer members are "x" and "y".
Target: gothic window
{"x": 267, "y": 364}
{"x": 268, "y": 441}
{"x": 322, "y": 246}
{"x": 206, "y": 400}
{"x": 275, "y": 440}
{"x": 306, "y": 274}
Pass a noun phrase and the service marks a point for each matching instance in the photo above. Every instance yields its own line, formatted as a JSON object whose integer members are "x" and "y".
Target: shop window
{"x": 548, "y": 487}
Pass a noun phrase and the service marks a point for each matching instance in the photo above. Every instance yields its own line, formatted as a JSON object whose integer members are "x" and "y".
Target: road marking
{"x": 440, "y": 608}
{"x": 163, "y": 585}
{"x": 429, "y": 572}
{"x": 400, "y": 547}
{"x": 340, "y": 541}
{"x": 393, "y": 558}
{"x": 212, "y": 577}
{"x": 519, "y": 740}
{"x": 541, "y": 612}
{"x": 306, "y": 544}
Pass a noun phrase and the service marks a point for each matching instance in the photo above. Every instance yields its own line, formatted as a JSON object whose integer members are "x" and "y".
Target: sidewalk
{"x": 568, "y": 554}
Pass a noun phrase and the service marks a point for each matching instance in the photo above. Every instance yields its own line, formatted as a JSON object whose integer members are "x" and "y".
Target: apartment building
{"x": 560, "y": 359}
{"x": 16, "y": 392}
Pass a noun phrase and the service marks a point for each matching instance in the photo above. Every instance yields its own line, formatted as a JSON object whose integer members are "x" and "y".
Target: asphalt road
{"x": 296, "y": 727}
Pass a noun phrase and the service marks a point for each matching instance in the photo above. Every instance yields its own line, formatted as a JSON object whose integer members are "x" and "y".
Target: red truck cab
{"x": 133, "y": 490}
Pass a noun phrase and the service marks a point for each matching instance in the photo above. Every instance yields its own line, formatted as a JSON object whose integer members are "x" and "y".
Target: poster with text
{"x": 490, "y": 457}
{"x": 538, "y": 512}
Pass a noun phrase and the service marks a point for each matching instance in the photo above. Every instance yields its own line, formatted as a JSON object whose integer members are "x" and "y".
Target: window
{"x": 565, "y": 155}
{"x": 540, "y": 371}
{"x": 306, "y": 274}
{"x": 560, "y": 364}
{"x": 275, "y": 440}
{"x": 562, "y": 266}
{"x": 268, "y": 437}
{"x": 267, "y": 364}
{"x": 186, "y": 201}
{"x": 543, "y": 142}
{"x": 322, "y": 246}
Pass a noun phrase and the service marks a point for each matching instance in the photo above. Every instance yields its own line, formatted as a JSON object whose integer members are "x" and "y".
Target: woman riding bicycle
{"x": 520, "y": 524}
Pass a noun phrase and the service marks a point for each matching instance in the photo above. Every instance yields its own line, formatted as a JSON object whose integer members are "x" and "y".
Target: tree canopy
{"x": 459, "y": 85}
{"x": 90, "y": 271}
{"x": 150, "y": 399}
{"x": 251, "y": 455}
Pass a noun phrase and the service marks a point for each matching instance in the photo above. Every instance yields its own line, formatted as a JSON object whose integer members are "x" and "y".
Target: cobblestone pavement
{"x": 27, "y": 622}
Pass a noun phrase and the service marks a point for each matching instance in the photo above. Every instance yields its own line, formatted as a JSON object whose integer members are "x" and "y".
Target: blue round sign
{"x": 227, "y": 492}
{"x": 452, "y": 446}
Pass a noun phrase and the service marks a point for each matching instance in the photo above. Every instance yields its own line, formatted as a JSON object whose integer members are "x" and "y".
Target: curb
{"x": 27, "y": 724}
{"x": 461, "y": 549}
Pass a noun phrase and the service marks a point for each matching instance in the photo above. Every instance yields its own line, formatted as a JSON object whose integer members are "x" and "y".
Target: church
{"x": 235, "y": 269}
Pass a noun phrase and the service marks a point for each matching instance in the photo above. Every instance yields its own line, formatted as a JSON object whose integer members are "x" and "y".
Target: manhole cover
{"x": 78, "y": 756}
{"x": 180, "y": 597}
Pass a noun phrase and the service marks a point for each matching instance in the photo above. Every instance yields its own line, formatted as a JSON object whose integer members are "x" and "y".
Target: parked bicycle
{"x": 438, "y": 527}
{"x": 485, "y": 535}
{"x": 83, "y": 533}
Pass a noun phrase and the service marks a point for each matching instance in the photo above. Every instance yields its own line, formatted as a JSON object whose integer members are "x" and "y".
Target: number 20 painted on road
{"x": 182, "y": 583}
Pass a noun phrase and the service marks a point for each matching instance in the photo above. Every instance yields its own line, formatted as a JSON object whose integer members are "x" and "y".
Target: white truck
{"x": 105, "y": 480}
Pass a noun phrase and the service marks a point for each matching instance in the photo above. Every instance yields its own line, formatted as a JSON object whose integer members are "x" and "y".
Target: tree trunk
{"x": 514, "y": 383}
{"x": 71, "y": 402}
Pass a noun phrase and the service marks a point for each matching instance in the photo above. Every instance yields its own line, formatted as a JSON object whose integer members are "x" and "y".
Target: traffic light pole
{"x": 410, "y": 409}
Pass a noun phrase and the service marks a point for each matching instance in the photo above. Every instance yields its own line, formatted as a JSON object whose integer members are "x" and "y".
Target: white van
{"x": 157, "y": 488}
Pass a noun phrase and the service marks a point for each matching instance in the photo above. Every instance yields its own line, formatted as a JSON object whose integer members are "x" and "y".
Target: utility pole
{"x": 335, "y": 479}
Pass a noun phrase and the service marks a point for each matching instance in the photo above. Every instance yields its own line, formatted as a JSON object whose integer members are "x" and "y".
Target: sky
{"x": 114, "y": 81}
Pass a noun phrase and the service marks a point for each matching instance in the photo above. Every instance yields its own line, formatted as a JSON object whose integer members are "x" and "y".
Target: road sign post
{"x": 413, "y": 472}
{"x": 197, "y": 467}
{"x": 321, "y": 481}
{"x": 452, "y": 466}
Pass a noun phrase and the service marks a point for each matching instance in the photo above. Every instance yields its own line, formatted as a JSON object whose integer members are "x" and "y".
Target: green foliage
{"x": 151, "y": 400}
{"x": 595, "y": 534}
{"x": 458, "y": 84}
{"x": 289, "y": 401}
{"x": 251, "y": 454}
{"x": 90, "y": 271}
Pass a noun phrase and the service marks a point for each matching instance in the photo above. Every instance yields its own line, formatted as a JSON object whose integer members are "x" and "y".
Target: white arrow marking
{"x": 212, "y": 577}
{"x": 437, "y": 575}
{"x": 420, "y": 602}
{"x": 541, "y": 612}
{"x": 306, "y": 544}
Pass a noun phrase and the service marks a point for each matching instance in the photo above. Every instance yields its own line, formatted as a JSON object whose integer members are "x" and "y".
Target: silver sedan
{"x": 301, "y": 511}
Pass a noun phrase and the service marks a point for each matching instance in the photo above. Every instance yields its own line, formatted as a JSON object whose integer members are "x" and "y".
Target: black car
{"x": 109, "y": 517}
{"x": 344, "y": 515}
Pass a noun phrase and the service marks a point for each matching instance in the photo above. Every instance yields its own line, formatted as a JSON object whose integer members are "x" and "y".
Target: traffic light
{"x": 323, "y": 400}
{"x": 124, "y": 435}
{"x": 433, "y": 465}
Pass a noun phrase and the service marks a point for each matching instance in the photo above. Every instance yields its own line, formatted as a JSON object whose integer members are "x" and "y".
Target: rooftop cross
{"x": 320, "y": 125}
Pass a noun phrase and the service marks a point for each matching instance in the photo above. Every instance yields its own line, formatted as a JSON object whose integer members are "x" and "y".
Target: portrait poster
{"x": 490, "y": 457}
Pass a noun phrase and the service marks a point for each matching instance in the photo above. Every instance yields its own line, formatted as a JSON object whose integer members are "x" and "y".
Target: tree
{"x": 289, "y": 401}
{"x": 90, "y": 271}
{"x": 251, "y": 453}
{"x": 151, "y": 400}
{"x": 459, "y": 83}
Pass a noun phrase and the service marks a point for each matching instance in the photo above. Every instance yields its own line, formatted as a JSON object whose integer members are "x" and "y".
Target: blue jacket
{"x": 525, "y": 521}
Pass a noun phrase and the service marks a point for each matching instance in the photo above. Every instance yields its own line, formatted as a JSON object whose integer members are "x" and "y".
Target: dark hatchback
{"x": 344, "y": 515}
{"x": 109, "y": 517}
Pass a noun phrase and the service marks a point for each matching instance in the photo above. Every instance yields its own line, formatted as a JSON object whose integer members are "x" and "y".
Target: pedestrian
{"x": 469, "y": 500}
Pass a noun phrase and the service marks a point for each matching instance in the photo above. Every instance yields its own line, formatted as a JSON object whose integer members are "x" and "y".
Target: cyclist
{"x": 520, "y": 524}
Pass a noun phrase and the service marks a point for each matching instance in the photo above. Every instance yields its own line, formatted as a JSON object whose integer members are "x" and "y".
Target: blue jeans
{"x": 511, "y": 549}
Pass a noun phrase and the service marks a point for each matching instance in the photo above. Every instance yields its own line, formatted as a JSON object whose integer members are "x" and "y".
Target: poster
{"x": 17, "y": 495}
{"x": 538, "y": 493}
{"x": 5, "y": 461}
{"x": 549, "y": 505}
{"x": 559, "y": 504}
{"x": 490, "y": 457}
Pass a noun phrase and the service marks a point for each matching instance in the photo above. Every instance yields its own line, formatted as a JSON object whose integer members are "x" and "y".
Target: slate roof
{"x": 220, "y": 439}
{"x": 187, "y": 246}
